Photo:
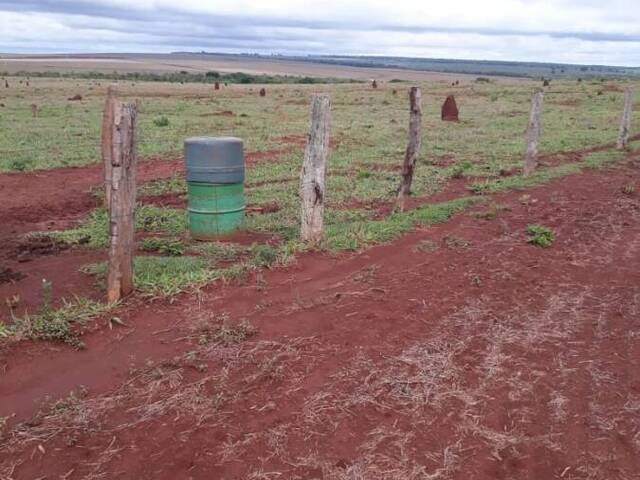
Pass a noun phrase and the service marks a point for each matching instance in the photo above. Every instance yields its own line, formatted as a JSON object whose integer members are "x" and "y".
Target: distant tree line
{"x": 183, "y": 77}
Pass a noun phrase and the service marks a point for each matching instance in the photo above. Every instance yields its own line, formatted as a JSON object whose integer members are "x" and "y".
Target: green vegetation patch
{"x": 160, "y": 276}
{"x": 540, "y": 235}
{"x": 165, "y": 246}
{"x": 355, "y": 235}
{"x": 517, "y": 182}
{"x": 94, "y": 231}
{"x": 603, "y": 159}
{"x": 55, "y": 324}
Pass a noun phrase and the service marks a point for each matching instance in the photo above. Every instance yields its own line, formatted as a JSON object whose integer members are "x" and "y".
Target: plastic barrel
{"x": 215, "y": 209}
{"x": 214, "y": 159}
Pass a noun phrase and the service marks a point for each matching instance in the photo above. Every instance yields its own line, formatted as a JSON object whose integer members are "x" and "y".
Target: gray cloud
{"x": 591, "y": 35}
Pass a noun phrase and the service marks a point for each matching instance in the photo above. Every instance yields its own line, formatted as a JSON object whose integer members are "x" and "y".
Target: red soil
{"x": 58, "y": 199}
{"x": 30, "y": 200}
{"x": 459, "y": 351}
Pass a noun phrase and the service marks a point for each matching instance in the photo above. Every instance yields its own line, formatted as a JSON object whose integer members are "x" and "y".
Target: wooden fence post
{"x": 625, "y": 120}
{"x": 533, "y": 133}
{"x": 106, "y": 143}
{"x": 314, "y": 165}
{"x": 413, "y": 147}
{"x": 123, "y": 198}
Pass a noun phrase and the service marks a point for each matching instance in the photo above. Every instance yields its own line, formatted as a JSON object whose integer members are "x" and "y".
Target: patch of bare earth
{"x": 459, "y": 351}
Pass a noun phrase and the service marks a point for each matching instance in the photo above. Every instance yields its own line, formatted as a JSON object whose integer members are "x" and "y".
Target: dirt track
{"x": 459, "y": 351}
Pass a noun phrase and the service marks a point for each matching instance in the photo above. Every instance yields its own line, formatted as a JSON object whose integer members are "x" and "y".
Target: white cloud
{"x": 576, "y": 31}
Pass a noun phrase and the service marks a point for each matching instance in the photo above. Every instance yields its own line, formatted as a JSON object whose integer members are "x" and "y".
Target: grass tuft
{"x": 165, "y": 246}
{"x": 358, "y": 234}
{"x": 57, "y": 324}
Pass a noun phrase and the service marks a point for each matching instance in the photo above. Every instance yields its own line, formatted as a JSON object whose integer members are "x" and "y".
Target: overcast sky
{"x": 572, "y": 31}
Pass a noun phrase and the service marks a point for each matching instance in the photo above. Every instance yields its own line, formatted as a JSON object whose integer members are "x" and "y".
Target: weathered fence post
{"x": 533, "y": 133}
{"x": 413, "y": 147}
{"x": 314, "y": 165}
{"x": 107, "y": 123}
{"x": 123, "y": 197}
{"x": 625, "y": 120}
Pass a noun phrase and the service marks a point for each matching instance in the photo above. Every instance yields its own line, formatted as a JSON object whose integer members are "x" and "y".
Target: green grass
{"x": 163, "y": 186}
{"x": 56, "y": 324}
{"x": 355, "y": 235}
{"x": 540, "y": 235}
{"x": 94, "y": 231}
{"x": 517, "y": 182}
{"x": 369, "y": 132}
{"x": 159, "y": 276}
{"x": 603, "y": 159}
{"x": 165, "y": 246}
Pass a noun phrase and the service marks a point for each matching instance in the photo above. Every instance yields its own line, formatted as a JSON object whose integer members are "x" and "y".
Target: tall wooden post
{"x": 413, "y": 147}
{"x": 314, "y": 165}
{"x": 533, "y": 133}
{"x": 107, "y": 123}
{"x": 123, "y": 198}
{"x": 625, "y": 119}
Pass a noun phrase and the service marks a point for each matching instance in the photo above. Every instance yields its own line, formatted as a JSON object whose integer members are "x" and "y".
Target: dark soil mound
{"x": 450, "y": 110}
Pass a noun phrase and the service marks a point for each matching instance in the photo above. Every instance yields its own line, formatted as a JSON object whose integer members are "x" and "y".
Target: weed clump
{"x": 57, "y": 324}
{"x": 263, "y": 255}
{"x": 165, "y": 246}
{"x": 540, "y": 235}
{"x": 161, "y": 121}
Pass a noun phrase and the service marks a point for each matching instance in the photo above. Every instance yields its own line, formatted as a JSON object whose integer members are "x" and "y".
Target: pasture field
{"x": 197, "y": 63}
{"x": 471, "y": 334}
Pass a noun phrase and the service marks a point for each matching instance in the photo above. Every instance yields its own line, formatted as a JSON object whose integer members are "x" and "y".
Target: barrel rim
{"x": 203, "y": 139}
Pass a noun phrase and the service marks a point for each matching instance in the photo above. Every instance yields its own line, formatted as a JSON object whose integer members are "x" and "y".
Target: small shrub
{"x": 362, "y": 174}
{"x": 540, "y": 235}
{"x": 161, "y": 121}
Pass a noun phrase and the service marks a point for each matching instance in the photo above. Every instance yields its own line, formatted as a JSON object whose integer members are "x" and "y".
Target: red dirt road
{"x": 459, "y": 351}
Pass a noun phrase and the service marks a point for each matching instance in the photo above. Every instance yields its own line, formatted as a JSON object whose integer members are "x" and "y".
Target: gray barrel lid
{"x": 214, "y": 159}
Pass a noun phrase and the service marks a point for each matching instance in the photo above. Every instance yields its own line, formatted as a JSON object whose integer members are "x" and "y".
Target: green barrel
{"x": 215, "y": 209}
